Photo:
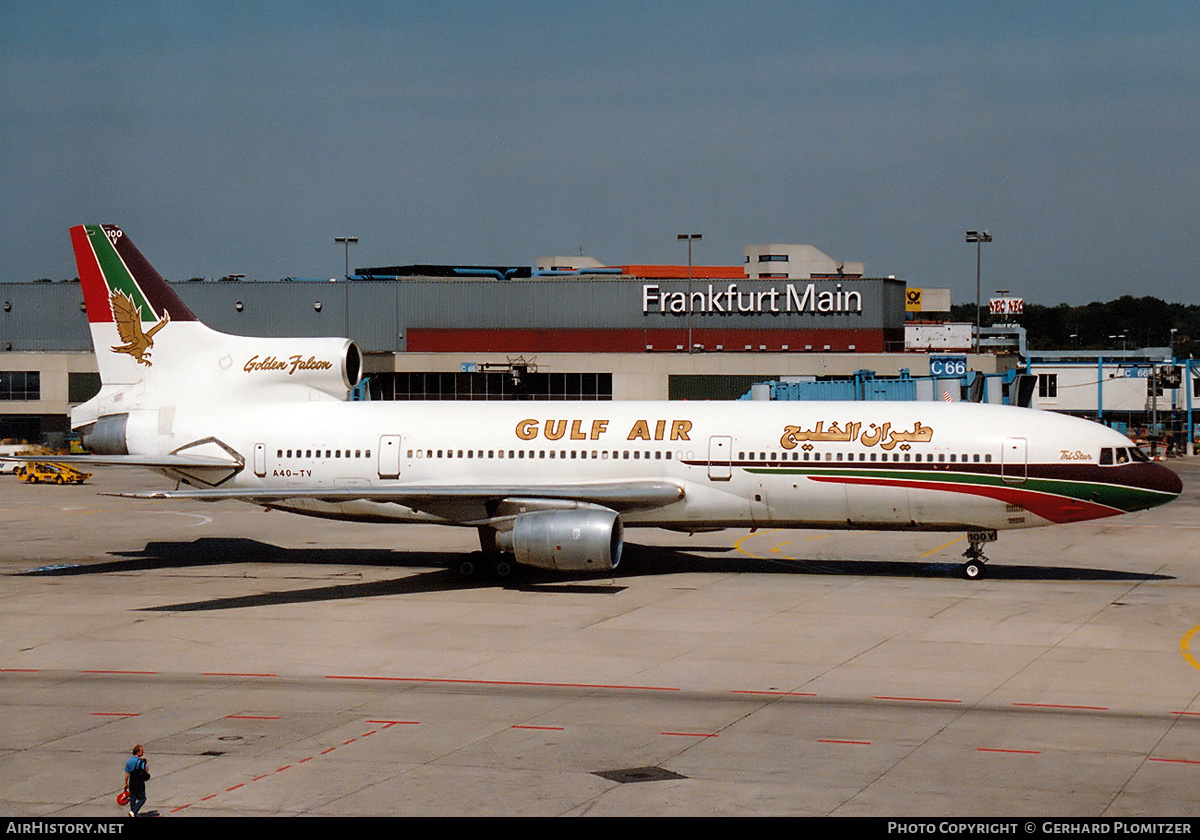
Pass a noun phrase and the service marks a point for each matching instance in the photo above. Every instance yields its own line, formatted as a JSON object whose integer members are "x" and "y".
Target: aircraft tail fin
{"x": 153, "y": 353}
{"x": 128, "y": 302}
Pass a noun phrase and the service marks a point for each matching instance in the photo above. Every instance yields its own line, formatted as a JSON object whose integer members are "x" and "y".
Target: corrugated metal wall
{"x": 48, "y": 316}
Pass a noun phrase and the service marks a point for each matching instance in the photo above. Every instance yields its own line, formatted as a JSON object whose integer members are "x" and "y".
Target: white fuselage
{"x": 739, "y": 464}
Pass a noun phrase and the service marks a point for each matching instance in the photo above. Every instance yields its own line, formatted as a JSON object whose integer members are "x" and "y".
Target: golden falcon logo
{"x": 128, "y": 319}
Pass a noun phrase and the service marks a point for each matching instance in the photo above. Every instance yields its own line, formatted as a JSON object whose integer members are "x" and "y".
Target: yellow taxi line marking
{"x": 940, "y": 547}
{"x": 738, "y": 544}
{"x": 776, "y": 549}
{"x": 1184, "y": 645}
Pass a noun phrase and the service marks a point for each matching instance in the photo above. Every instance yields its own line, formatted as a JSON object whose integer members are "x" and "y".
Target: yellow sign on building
{"x": 927, "y": 300}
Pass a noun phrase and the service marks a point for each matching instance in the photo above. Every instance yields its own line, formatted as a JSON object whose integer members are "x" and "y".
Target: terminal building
{"x": 566, "y": 328}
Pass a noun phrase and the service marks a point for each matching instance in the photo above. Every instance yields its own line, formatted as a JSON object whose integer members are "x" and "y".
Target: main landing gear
{"x": 490, "y": 559}
{"x": 496, "y": 566}
{"x": 973, "y": 568}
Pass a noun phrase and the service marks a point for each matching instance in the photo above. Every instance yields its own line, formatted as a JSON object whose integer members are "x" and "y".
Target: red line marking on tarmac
{"x": 539, "y": 728}
{"x": 382, "y": 723}
{"x": 919, "y": 699}
{"x": 691, "y": 734}
{"x": 1194, "y": 714}
{"x": 19, "y": 670}
{"x": 841, "y": 741}
{"x": 501, "y": 682}
{"x": 116, "y": 714}
{"x": 1174, "y": 760}
{"x": 1013, "y": 752}
{"x": 252, "y": 717}
{"x": 1062, "y": 706}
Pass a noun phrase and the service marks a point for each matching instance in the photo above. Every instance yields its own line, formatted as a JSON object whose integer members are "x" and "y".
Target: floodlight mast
{"x": 689, "y": 238}
{"x": 978, "y": 237}
{"x": 347, "y": 241}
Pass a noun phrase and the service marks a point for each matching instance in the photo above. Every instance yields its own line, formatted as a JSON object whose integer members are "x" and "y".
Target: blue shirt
{"x": 136, "y": 785}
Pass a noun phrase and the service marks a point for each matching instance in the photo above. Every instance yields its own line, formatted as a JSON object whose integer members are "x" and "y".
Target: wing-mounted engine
{"x": 331, "y": 366}
{"x": 574, "y": 539}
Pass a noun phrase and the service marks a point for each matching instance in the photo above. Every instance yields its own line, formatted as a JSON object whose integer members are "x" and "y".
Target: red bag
{"x": 123, "y": 798}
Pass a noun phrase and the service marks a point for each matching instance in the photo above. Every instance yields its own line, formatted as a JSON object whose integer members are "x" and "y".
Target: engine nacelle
{"x": 584, "y": 539}
{"x": 329, "y": 365}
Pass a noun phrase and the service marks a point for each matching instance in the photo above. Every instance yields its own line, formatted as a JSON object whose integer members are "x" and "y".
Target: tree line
{"x": 1125, "y": 323}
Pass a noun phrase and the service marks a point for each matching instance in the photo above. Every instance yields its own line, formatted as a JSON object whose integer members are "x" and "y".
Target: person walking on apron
{"x": 136, "y": 774}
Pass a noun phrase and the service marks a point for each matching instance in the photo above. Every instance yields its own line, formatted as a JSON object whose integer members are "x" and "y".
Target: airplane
{"x": 553, "y": 485}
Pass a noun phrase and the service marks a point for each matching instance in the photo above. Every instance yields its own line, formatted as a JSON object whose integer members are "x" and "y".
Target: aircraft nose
{"x": 1167, "y": 481}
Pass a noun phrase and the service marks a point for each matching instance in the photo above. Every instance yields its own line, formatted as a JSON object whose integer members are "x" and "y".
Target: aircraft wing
{"x": 460, "y": 503}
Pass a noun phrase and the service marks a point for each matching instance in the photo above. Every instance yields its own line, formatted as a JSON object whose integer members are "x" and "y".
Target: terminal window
{"x": 490, "y": 386}
{"x": 1048, "y": 385}
{"x": 20, "y": 385}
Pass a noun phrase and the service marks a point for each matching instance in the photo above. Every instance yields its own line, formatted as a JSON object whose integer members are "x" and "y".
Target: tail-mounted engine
{"x": 330, "y": 365}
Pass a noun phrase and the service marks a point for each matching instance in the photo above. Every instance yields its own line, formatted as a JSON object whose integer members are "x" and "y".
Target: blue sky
{"x": 242, "y": 137}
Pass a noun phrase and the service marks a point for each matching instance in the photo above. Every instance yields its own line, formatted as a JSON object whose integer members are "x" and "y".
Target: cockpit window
{"x": 1137, "y": 454}
{"x": 1122, "y": 456}
{"x": 1106, "y": 456}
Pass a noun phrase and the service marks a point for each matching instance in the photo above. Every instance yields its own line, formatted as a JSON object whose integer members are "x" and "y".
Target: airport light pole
{"x": 689, "y": 238}
{"x": 978, "y": 237}
{"x": 347, "y": 241}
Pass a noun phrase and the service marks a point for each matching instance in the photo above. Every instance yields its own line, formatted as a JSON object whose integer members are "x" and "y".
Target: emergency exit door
{"x": 389, "y": 456}
{"x": 1014, "y": 459}
{"x": 720, "y": 458}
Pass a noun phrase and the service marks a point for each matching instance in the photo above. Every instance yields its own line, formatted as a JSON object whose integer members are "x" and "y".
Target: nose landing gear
{"x": 973, "y": 567}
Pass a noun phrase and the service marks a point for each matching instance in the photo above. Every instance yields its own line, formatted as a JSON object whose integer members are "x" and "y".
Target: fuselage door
{"x": 1014, "y": 459}
{"x": 720, "y": 454}
{"x": 260, "y": 459}
{"x": 389, "y": 456}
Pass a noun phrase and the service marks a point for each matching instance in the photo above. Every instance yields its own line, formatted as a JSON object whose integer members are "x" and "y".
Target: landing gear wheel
{"x": 972, "y": 570}
{"x": 502, "y": 568}
{"x": 466, "y": 568}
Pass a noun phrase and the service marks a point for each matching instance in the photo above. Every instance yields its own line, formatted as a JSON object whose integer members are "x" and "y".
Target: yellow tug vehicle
{"x": 36, "y": 472}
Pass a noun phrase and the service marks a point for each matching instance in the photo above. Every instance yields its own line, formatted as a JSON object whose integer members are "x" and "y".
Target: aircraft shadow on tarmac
{"x": 441, "y": 570}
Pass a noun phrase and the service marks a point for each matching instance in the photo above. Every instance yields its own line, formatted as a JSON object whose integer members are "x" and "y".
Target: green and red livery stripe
{"x": 108, "y": 262}
{"x": 1055, "y": 500}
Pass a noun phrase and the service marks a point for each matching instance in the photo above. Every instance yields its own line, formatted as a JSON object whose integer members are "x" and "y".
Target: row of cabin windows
{"x": 874, "y": 456}
{"x": 1106, "y": 455}
{"x": 657, "y": 455}
{"x": 329, "y": 453}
